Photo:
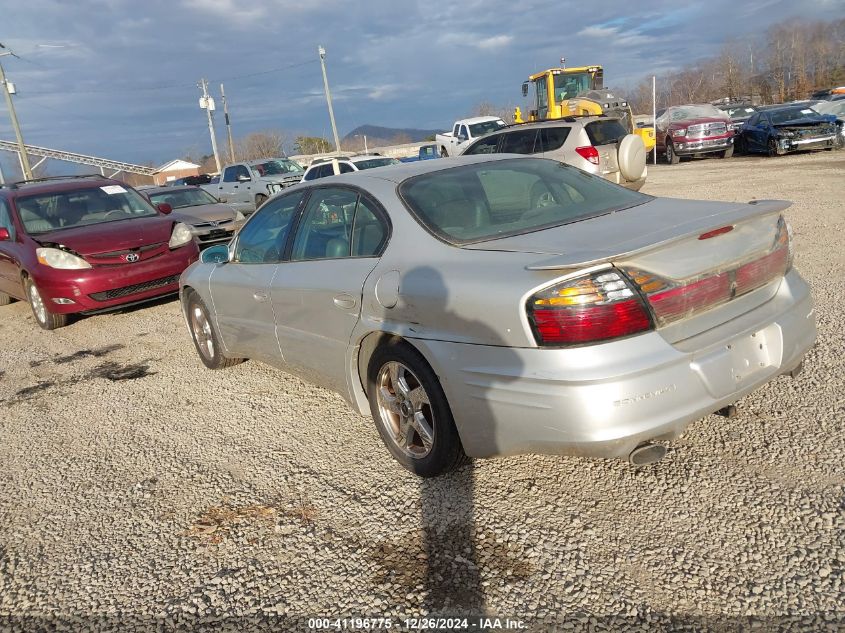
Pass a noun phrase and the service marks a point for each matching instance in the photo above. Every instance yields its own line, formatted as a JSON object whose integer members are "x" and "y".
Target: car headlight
{"x": 181, "y": 235}
{"x": 57, "y": 258}
{"x": 679, "y": 132}
{"x": 239, "y": 217}
{"x": 787, "y": 134}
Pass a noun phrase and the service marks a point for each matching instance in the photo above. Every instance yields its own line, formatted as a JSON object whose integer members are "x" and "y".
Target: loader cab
{"x": 554, "y": 88}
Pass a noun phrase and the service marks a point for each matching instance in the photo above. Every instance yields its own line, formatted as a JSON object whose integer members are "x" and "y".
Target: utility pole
{"x": 207, "y": 103}
{"x": 27, "y": 170}
{"x": 228, "y": 124}
{"x": 322, "y": 52}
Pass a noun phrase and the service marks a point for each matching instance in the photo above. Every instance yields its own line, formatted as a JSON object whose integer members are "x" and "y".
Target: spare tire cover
{"x": 631, "y": 157}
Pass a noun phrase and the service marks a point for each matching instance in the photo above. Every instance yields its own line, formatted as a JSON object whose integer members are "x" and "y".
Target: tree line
{"x": 787, "y": 62}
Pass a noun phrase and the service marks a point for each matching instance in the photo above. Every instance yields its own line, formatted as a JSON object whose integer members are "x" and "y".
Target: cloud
{"x": 474, "y": 40}
{"x": 497, "y": 41}
{"x": 615, "y": 36}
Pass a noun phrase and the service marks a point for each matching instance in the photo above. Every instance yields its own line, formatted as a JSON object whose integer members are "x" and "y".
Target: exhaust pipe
{"x": 646, "y": 453}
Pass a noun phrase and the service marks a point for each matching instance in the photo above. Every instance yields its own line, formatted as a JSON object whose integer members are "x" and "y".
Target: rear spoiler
{"x": 664, "y": 236}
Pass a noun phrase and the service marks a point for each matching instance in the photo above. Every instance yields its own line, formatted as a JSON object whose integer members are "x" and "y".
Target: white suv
{"x": 598, "y": 145}
{"x": 322, "y": 167}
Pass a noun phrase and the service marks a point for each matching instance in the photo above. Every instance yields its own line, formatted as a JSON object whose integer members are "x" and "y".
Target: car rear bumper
{"x": 109, "y": 287}
{"x": 604, "y": 400}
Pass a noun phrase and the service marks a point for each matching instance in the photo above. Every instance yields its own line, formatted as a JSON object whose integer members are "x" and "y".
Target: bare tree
{"x": 263, "y": 144}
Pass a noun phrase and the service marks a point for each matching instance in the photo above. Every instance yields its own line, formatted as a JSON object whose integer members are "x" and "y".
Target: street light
{"x": 365, "y": 141}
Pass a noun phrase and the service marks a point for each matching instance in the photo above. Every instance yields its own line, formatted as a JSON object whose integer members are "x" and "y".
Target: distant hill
{"x": 375, "y": 134}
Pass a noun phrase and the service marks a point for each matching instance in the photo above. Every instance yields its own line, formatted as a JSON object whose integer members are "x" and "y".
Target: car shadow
{"x": 456, "y": 564}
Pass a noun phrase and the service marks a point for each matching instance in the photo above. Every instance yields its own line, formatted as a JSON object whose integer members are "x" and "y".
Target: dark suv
{"x": 86, "y": 244}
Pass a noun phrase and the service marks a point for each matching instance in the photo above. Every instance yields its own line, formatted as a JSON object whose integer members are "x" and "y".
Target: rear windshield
{"x": 182, "y": 198}
{"x": 605, "y": 132}
{"x": 479, "y": 129}
{"x": 375, "y": 162}
{"x": 277, "y": 167}
{"x": 484, "y": 201}
{"x": 81, "y": 207}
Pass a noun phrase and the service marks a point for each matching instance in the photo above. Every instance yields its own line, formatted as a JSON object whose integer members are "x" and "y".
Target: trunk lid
{"x": 690, "y": 259}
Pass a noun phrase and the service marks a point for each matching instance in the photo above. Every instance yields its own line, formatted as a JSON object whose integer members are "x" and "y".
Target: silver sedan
{"x": 496, "y": 305}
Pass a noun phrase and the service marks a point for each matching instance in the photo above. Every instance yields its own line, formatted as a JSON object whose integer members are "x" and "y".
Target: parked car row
{"x": 475, "y": 306}
{"x": 702, "y": 129}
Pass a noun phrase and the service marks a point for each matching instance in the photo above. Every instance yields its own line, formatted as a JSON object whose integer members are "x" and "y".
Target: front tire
{"x": 259, "y": 200}
{"x": 727, "y": 153}
{"x": 444, "y": 153}
{"x": 46, "y": 319}
{"x": 411, "y": 411}
{"x": 671, "y": 157}
{"x": 5, "y": 299}
{"x": 774, "y": 148}
{"x": 204, "y": 335}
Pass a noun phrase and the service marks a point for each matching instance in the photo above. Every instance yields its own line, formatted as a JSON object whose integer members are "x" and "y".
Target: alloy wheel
{"x": 37, "y": 303}
{"x": 405, "y": 409}
{"x": 201, "y": 329}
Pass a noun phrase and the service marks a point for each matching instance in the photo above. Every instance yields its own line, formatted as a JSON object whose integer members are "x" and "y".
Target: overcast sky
{"x": 118, "y": 78}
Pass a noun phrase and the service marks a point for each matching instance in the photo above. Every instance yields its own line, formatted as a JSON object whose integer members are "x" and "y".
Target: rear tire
{"x": 671, "y": 157}
{"x": 411, "y": 412}
{"x": 204, "y": 335}
{"x": 43, "y": 317}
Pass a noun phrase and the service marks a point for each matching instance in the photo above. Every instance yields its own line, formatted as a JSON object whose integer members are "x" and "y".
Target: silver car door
{"x": 240, "y": 289}
{"x": 316, "y": 295}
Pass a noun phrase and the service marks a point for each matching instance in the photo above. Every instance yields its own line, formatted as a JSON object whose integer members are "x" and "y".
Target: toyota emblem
{"x": 132, "y": 257}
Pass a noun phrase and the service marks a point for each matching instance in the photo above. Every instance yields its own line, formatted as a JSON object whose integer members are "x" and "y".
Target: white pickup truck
{"x": 245, "y": 186}
{"x": 465, "y": 132}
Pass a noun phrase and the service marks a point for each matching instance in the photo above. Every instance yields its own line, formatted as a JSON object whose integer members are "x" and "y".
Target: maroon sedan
{"x": 85, "y": 245}
{"x": 694, "y": 130}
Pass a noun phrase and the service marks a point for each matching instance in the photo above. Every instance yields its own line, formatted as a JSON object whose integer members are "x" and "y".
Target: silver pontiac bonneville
{"x": 493, "y": 305}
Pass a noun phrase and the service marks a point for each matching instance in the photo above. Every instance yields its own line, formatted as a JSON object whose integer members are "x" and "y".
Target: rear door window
{"x": 519, "y": 142}
{"x": 552, "y": 138}
{"x": 605, "y": 132}
{"x": 486, "y": 145}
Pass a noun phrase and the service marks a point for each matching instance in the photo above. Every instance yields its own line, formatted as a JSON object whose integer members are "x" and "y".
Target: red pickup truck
{"x": 694, "y": 130}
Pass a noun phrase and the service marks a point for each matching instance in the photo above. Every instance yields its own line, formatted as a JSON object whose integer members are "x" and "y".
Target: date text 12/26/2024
{"x": 415, "y": 624}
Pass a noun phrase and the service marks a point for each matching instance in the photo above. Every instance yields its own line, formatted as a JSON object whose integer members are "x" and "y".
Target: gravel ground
{"x": 140, "y": 491}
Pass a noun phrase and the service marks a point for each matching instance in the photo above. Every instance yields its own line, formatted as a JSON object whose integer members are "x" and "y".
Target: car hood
{"x": 805, "y": 123}
{"x": 203, "y": 213}
{"x": 108, "y": 237}
{"x": 293, "y": 177}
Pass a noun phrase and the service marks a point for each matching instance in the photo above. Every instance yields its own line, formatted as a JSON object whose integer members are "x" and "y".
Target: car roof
{"x": 403, "y": 171}
{"x": 149, "y": 190}
{"x": 477, "y": 119}
{"x": 58, "y": 184}
{"x": 566, "y": 121}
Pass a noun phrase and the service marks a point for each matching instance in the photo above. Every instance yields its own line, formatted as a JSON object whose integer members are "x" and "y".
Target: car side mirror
{"x": 461, "y": 138}
{"x": 164, "y": 208}
{"x": 5, "y": 236}
{"x": 217, "y": 254}
{"x": 243, "y": 178}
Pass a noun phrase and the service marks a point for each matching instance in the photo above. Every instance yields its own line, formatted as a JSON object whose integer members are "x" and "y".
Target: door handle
{"x": 260, "y": 296}
{"x": 345, "y": 301}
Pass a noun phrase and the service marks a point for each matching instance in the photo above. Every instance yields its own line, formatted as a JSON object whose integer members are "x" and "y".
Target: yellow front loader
{"x": 578, "y": 91}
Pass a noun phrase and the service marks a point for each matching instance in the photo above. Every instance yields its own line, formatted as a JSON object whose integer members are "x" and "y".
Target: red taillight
{"x": 676, "y": 303}
{"x": 588, "y": 309}
{"x": 673, "y": 300}
{"x": 761, "y": 271}
{"x": 590, "y": 153}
